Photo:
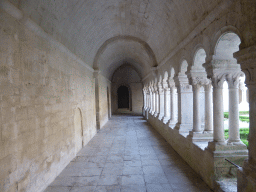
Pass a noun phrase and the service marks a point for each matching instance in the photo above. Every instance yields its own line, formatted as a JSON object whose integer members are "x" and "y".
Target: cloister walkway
{"x": 127, "y": 155}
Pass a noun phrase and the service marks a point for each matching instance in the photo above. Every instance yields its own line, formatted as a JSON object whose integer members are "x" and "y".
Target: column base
{"x": 156, "y": 114}
{"x": 144, "y": 111}
{"x": 146, "y": 114}
{"x": 246, "y": 178}
{"x": 160, "y": 117}
{"x": 172, "y": 124}
{"x": 237, "y": 142}
{"x": 221, "y": 151}
{"x": 208, "y": 132}
{"x": 165, "y": 120}
{"x": 200, "y": 136}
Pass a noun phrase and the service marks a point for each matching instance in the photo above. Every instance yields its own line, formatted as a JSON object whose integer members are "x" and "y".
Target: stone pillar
{"x": 144, "y": 99}
{"x": 153, "y": 101}
{"x": 156, "y": 102}
{"x": 197, "y": 80}
{"x": 208, "y": 109}
{"x": 196, "y": 108}
{"x": 144, "y": 102}
{"x": 166, "y": 103}
{"x": 161, "y": 102}
{"x": 218, "y": 119}
{"x": 149, "y": 101}
{"x": 174, "y": 103}
{"x": 185, "y": 104}
{"x": 233, "y": 83}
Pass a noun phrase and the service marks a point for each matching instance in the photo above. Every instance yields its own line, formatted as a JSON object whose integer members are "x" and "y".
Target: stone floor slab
{"x": 127, "y": 155}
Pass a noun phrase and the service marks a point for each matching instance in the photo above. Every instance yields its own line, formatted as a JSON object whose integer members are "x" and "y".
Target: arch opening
{"x": 123, "y": 95}
{"x": 226, "y": 46}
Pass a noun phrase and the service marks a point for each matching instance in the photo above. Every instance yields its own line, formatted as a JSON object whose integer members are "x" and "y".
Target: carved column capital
{"x": 165, "y": 85}
{"x": 171, "y": 83}
{"x": 160, "y": 88}
{"x": 217, "y": 81}
{"x": 199, "y": 81}
{"x": 233, "y": 80}
{"x": 208, "y": 87}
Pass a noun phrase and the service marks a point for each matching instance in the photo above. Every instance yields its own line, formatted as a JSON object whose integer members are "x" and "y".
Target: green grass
{"x": 226, "y": 115}
{"x": 243, "y": 112}
{"x": 244, "y": 132}
{"x": 241, "y": 118}
{"x": 244, "y": 119}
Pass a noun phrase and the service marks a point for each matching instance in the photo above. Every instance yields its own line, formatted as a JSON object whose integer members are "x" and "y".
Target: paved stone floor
{"x": 127, "y": 155}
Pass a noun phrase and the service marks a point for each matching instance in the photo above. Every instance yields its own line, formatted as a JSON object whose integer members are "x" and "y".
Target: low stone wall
{"x": 209, "y": 164}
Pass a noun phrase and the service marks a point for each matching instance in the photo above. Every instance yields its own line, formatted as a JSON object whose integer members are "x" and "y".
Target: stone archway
{"x": 123, "y": 95}
{"x": 78, "y": 130}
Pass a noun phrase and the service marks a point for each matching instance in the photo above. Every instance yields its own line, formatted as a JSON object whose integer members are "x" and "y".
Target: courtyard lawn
{"x": 242, "y": 116}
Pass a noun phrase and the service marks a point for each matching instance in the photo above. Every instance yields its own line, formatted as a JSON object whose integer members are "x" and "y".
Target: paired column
{"x": 145, "y": 98}
{"x": 161, "y": 101}
{"x": 185, "y": 104}
{"x": 174, "y": 105}
{"x": 153, "y": 101}
{"x": 166, "y": 103}
{"x": 218, "y": 118}
{"x": 233, "y": 86}
{"x": 196, "y": 108}
{"x": 197, "y": 134}
{"x": 149, "y": 101}
{"x": 208, "y": 109}
{"x": 156, "y": 102}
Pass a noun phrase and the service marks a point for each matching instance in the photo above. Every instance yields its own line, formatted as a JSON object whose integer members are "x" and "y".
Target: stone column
{"x": 149, "y": 101}
{"x": 166, "y": 105}
{"x": 218, "y": 119}
{"x": 153, "y": 101}
{"x": 174, "y": 104}
{"x": 144, "y": 102}
{"x": 161, "y": 102}
{"x": 156, "y": 102}
{"x": 185, "y": 104}
{"x": 196, "y": 108}
{"x": 233, "y": 83}
{"x": 208, "y": 109}
{"x": 198, "y": 80}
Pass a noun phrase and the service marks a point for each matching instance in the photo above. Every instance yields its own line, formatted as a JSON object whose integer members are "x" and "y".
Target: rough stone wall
{"x": 104, "y": 85}
{"x": 40, "y": 88}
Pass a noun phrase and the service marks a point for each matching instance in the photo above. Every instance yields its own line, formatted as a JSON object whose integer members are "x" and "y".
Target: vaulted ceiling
{"x": 105, "y": 34}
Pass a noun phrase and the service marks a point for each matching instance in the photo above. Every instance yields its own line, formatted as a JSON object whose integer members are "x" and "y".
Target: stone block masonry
{"x": 41, "y": 86}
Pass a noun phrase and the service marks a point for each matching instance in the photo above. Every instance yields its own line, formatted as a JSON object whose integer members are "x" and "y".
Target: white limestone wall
{"x": 42, "y": 84}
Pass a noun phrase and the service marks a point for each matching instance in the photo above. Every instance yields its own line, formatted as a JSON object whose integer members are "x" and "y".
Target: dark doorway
{"x": 123, "y": 97}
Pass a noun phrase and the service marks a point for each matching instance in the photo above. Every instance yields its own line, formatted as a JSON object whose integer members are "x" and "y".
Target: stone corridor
{"x": 127, "y": 155}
